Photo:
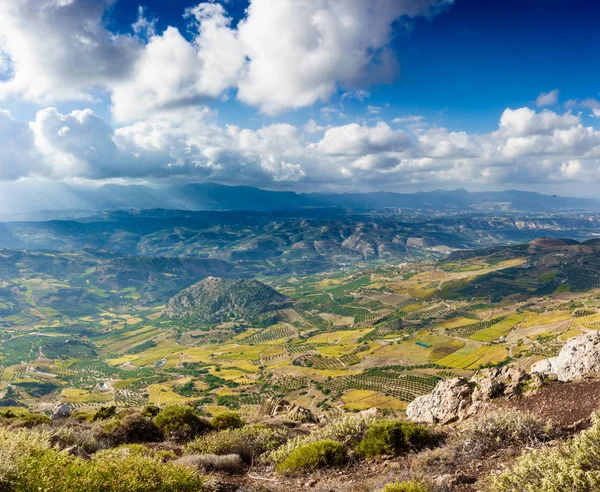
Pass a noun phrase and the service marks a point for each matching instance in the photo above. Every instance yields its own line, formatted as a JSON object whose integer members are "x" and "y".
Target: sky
{"x": 305, "y": 95}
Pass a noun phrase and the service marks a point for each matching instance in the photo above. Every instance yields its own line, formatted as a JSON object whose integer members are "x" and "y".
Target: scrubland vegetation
{"x": 182, "y": 393}
{"x": 103, "y": 451}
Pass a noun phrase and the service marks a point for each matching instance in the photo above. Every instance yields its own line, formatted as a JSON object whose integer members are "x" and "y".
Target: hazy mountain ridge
{"x": 275, "y": 243}
{"x": 21, "y": 198}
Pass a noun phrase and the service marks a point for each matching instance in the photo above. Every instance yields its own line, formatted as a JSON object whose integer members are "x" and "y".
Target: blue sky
{"x": 461, "y": 68}
{"x": 338, "y": 94}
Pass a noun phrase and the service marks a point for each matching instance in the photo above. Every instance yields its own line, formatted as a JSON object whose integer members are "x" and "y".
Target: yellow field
{"x": 404, "y": 353}
{"x": 161, "y": 393}
{"x": 499, "y": 329}
{"x": 8, "y": 374}
{"x": 546, "y": 318}
{"x": 570, "y": 334}
{"x": 473, "y": 356}
{"x": 584, "y": 320}
{"x": 452, "y": 323}
{"x": 73, "y": 395}
{"x": 151, "y": 356}
{"x": 241, "y": 352}
{"x": 339, "y": 337}
{"x": 363, "y": 399}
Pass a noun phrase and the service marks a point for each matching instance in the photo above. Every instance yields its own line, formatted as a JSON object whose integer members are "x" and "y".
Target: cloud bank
{"x": 527, "y": 146}
{"x": 280, "y": 56}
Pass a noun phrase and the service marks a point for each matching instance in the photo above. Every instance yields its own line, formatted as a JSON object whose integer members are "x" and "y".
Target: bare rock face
{"x": 579, "y": 356}
{"x": 62, "y": 411}
{"x": 456, "y": 399}
{"x": 278, "y": 407}
{"x": 445, "y": 404}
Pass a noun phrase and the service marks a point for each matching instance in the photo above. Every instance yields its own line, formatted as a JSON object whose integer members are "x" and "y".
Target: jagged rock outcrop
{"x": 217, "y": 299}
{"x": 579, "y": 356}
{"x": 457, "y": 398}
{"x": 62, "y": 411}
{"x": 445, "y": 404}
{"x": 278, "y": 407}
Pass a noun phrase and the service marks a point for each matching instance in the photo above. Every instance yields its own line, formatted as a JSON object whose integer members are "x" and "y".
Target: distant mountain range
{"x": 32, "y": 197}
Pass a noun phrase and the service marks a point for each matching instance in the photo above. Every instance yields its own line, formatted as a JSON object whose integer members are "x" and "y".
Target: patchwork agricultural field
{"x": 90, "y": 331}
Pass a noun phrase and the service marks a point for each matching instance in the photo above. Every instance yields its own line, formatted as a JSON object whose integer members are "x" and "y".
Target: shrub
{"x": 501, "y": 429}
{"x": 150, "y": 411}
{"x": 392, "y": 437}
{"x": 104, "y": 413}
{"x": 82, "y": 416}
{"x": 228, "y": 463}
{"x": 136, "y": 450}
{"x": 181, "y": 423}
{"x": 110, "y": 472}
{"x": 572, "y": 466}
{"x": 227, "y": 420}
{"x": 410, "y": 486}
{"x": 346, "y": 430}
{"x": 313, "y": 456}
{"x": 133, "y": 428}
{"x": 29, "y": 421}
{"x": 84, "y": 436}
{"x": 29, "y": 464}
{"x": 249, "y": 442}
{"x": 13, "y": 446}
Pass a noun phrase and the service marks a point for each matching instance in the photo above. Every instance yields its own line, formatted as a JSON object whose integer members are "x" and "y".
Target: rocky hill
{"x": 217, "y": 299}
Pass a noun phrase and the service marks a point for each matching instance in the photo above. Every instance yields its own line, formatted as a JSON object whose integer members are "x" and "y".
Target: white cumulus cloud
{"x": 547, "y": 98}
{"x": 282, "y": 55}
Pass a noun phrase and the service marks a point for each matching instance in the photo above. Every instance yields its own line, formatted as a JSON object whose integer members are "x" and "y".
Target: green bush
{"x": 29, "y": 421}
{"x": 58, "y": 472}
{"x": 104, "y": 413}
{"x": 29, "y": 464}
{"x": 8, "y": 414}
{"x": 313, "y": 456}
{"x": 228, "y": 463}
{"x": 499, "y": 430}
{"x": 150, "y": 411}
{"x": 347, "y": 430}
{"x": 410, "y": 486}
{"x": 249, "y": 442}
{"x": 392, "y": 437}
{"x": 227, "y": 420}
{"x": 181, "y": 423}
{"x": 572, "y": 466}
{"x": 133, "y": 428}
{"x": 82, "y": 416}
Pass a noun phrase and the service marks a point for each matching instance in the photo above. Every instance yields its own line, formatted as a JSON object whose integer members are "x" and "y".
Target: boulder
{"x": 278, "y": 407}
{"x": 580, "y": 356}
{"x": 57, "y": 441}
{"x": 445, "y": 404}
{"x": 487, "y": 388}
{"x": 62, "y": 411}
{"x": 514, "y": 380}
{"x": 494, "y": 382}
{"x": 456, "y": 399}
{"x": 77, "y": 451}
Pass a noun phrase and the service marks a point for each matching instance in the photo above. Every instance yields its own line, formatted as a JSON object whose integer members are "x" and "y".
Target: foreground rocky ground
{"x": 502, "y": 430}
{"x": 486, "y": 422}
